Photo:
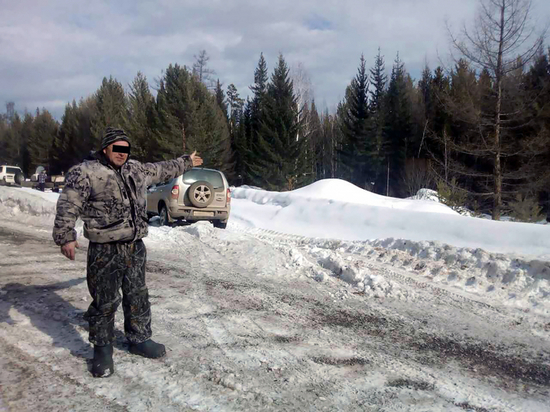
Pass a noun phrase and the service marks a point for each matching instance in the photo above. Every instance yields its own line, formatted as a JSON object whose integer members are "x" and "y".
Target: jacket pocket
{"x": 110, "y": 225}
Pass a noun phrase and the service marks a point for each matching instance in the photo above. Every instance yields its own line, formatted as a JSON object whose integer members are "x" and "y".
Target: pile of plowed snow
{"x": 336, "y": 209}
{"x": 15, "y": 201}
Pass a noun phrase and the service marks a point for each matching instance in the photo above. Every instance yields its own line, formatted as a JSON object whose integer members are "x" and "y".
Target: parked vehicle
{"x": 11, "y": 175}
{"x": 58, "y": 182}
{"x": 34, "y": 176}
{"x": 198, "y": 194}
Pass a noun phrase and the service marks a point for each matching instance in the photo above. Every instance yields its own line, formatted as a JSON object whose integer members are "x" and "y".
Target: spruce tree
{"x": 378, "y": 80}
{"x": 110, "y": 110}
{"x": 236, "y": 131}
{"x": 220, "y": 98}
{"x": 316, "y": 146}
{"x": 63, "y": 145}
{"x": 257, "y": 110}
{"x": 280, "y": 146}
{"x": 358, "y": 154}
{"x": 44, "y": 131}
{"x": 397, "y": 130}
{"x": 11, "y": 144}
{"x": 143, "y": 120}
{"x": 330, "y": 143}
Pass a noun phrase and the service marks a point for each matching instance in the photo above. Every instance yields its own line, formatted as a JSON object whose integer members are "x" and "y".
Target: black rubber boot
{"x": 148, "y": 349}
{"x": 102, "y": 364}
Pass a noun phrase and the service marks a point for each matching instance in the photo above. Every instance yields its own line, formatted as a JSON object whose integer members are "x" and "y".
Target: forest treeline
{"x": 478, "y": 130}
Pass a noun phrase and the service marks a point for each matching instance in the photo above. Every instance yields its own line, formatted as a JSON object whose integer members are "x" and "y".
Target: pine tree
{"x": 193, "y": 119}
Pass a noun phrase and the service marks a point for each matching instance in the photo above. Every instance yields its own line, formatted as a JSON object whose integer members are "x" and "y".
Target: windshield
{"x": 212, "y": 177}
{"x": 13, "y": 170}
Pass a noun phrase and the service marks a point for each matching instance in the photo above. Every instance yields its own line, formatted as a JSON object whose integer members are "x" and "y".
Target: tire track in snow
{"x": 176, "y": 381}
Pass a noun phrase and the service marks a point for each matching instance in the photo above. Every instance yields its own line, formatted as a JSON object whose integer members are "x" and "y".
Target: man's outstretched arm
{"x": 162, "y": 171}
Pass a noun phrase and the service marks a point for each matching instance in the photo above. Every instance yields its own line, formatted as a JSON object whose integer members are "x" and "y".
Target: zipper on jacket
{"x": 127, "y": 194}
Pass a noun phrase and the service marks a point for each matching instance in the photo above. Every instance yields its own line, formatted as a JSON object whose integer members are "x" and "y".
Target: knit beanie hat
{"x": 112, "y": 135}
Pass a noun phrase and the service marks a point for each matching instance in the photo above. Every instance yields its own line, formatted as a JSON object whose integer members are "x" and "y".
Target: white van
{"x": 7, "y": 174}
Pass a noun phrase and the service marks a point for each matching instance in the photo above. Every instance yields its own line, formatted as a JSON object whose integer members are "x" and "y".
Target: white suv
{"x": 8, "y": 173}
{"x": 198, "y": 194}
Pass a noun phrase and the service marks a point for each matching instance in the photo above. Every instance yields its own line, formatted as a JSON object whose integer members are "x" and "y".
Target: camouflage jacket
{"x": 111, "y": 203}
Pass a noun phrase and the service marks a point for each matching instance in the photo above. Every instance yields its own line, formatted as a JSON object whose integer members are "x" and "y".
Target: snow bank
{"x": 312, "y": 212}
{"x": 337, "y": 192}
{"x": 17, "y": 201}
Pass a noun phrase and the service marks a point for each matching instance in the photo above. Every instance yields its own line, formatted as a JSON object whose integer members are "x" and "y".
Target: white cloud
{"x": 59, "y": 50}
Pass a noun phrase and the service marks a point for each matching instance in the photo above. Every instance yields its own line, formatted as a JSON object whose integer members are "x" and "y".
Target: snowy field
{"x": 475, "y": 293}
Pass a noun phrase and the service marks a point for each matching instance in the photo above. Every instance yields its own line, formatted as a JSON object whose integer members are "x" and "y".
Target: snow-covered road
{"x": 252, "y": 334}
{"x": 261, "y": 320}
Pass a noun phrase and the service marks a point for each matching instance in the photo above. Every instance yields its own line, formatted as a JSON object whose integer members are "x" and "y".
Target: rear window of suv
{"x": 13, "y": 170}
{"x": 212, "y": 177}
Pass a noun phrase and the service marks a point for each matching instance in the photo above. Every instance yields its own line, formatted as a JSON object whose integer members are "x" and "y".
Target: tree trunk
{"x": 388, "y": 180}
{"x": 446, "y": 157}
{"x": 497, "y": 200}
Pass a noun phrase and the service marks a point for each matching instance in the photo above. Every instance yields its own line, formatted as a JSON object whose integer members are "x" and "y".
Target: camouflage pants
{"x": 111, "y": 267}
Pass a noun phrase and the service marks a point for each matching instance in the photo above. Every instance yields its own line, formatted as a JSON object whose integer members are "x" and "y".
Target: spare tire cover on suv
{"x": 19, "y": 178}
{"x": 201, "y": 193}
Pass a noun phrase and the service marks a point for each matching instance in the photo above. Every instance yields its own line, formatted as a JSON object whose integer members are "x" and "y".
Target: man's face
{"x": 117, "y": 159}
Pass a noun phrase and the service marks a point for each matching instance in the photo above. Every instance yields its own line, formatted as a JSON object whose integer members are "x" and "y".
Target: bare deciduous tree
{"x": 502, "y": 41}
{"x": 201, "y": 70}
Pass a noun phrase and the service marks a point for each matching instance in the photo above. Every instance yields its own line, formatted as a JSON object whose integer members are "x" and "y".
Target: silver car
{"x": 198, "y": 194}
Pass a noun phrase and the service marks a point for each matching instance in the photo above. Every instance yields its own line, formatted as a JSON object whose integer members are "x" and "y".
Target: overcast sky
{"x": 54, "y": 51}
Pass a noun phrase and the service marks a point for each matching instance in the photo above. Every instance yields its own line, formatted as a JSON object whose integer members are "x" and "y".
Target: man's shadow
{"x": 51, "y": 314}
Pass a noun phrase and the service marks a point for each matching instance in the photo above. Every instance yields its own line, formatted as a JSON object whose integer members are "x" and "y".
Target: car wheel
{"x": 201, "y": 194}
{"x": 220, "y": 224}
{"x": 163, "y": 214}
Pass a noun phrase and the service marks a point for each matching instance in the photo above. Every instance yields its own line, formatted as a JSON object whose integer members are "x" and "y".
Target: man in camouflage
{"x": 108, "y": 194}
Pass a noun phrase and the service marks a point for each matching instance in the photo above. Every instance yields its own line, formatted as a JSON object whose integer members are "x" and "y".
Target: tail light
{"x": 228, "y": 196}
{"x": 175, "y": 191}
